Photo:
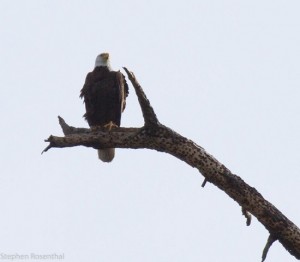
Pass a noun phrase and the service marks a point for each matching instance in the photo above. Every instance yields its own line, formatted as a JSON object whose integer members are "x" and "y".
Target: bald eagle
{"x": 104, "y": 93}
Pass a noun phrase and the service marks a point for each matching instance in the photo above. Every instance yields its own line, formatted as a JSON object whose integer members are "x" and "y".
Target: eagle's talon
{"x": 110, "y": 125}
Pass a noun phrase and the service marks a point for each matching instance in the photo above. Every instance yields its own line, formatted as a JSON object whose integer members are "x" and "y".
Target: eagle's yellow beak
{"x": 105, "y": 56}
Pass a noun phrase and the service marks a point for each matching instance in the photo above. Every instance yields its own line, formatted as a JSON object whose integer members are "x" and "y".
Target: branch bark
{"x": 154, "y": 135}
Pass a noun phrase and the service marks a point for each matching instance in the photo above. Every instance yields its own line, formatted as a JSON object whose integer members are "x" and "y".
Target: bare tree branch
{"x": 154, "y": 135}
{"x": 148, "y": 112}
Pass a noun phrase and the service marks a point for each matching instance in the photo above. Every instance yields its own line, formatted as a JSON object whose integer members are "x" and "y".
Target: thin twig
{"x": 247, "y": 216}
{"x": 271, "y": 240}
{"x": 204, "y": 182}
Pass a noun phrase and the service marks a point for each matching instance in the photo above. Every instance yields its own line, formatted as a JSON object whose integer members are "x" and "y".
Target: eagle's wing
{"x": 123, "y": 89}
{"x": 85, "y": 93}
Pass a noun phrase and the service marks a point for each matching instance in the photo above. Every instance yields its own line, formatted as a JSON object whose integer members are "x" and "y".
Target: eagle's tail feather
{"x": 106, "y": 155}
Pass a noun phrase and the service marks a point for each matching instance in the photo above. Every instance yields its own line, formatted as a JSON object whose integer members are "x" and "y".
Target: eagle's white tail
{"x": 106, "y": 155}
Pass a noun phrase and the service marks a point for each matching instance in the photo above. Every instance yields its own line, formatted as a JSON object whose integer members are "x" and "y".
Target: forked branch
{"x": 154, "y": 135}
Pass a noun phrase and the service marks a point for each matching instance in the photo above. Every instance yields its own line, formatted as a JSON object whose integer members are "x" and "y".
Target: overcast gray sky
{"x": 222, "y": 73}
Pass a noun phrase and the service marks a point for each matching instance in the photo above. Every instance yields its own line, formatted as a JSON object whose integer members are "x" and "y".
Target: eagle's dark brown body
{"x": 104, "y": 93}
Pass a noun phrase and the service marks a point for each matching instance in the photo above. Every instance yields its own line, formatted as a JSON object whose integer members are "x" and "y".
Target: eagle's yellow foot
{"x": 110, "y": 125}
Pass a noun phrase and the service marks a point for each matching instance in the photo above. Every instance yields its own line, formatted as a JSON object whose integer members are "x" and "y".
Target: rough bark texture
{"x": 154, "y": 135}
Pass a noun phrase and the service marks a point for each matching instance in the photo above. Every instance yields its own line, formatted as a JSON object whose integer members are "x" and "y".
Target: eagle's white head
{"x": 103, "y": 60}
